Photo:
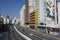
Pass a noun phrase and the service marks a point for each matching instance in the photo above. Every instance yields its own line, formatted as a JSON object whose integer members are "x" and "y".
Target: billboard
{"x": 50, "y": 13}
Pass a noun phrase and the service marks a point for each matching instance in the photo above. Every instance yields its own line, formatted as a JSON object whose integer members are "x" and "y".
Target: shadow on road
{"x": 4, "y": 28}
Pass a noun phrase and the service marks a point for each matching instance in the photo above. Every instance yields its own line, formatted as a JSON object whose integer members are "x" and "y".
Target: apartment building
{"x": 22, "y": 16}
{"x": 43, "y": 13}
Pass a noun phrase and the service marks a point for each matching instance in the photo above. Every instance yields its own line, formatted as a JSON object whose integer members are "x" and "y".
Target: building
{"x": 41, "y": 18}
{"x": 18, "y": 20}
{"x": 15, "y": 20}
{"x": 47, "y": 13}
{"x": 26, "y": 12}
{"x": 42, "y": 13}
{"x": 33, "y": 19}
{"x": 58, "y": 10}
{"x": 36, "y": 11}
{"x": 33, "y": 13}
{"x": 22, "y": 16}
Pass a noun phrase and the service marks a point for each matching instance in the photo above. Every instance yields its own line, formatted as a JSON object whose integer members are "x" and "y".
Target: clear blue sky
{"x": 11, "y": 7}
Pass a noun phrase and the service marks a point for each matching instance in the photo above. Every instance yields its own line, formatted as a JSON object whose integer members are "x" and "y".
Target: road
{"x": 9, "y": 33}
{"x": 35, "y": 35}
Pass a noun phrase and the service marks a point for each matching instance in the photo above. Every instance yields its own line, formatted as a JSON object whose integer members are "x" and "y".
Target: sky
{"x": 11, "y": 7}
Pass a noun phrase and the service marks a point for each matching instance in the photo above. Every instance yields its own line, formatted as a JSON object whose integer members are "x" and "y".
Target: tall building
{"x": 22, "y": 16}
{"x": 58, "y": 11}
{"x": 42, "y": 13}
{"x": 52, "y": 13}
{"x": 33, "y": 17}
{"x": 26, "y": 12}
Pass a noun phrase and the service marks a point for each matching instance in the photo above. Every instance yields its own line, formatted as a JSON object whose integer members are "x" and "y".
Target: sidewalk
{"x": 42, "y": 31}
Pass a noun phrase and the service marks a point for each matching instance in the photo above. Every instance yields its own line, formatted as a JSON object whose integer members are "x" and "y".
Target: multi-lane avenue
{"x": 35, "y": 35}
{"x": 21, "y": 33}
{"x": 9, "y": 33}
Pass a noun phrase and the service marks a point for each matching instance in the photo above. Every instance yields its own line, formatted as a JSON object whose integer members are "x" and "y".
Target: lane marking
{"x": 31, "y": 34}
{"x": 27, "y": 38}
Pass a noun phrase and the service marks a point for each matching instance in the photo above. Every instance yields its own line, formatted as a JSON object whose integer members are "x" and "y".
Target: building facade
{"x": 22, "y": 16}
{"x": 43, "y": 13}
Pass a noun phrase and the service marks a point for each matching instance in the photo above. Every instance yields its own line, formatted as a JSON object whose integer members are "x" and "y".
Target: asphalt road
{"x": 8, "y": 33}
{"x": 34, "y": 35}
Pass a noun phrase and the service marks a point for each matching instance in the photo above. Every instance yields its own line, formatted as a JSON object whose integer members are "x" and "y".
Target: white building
{"x": 46, "y": 12}
{"x": 22, "y": 11}
{"x": 31, "y": 6}
{"x": 15, "y": 20}
{"x": 40, "y": 12}
{"x": 59, "y": 13}
{"x": 51, "y": 19}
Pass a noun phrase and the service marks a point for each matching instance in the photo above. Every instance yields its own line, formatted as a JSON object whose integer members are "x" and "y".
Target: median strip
{"x": 27, "y": 38}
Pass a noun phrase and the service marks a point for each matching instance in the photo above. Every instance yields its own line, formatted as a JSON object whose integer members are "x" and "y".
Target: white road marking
{"x": 31, "y": 34}
{"x": 27, "y": 38}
